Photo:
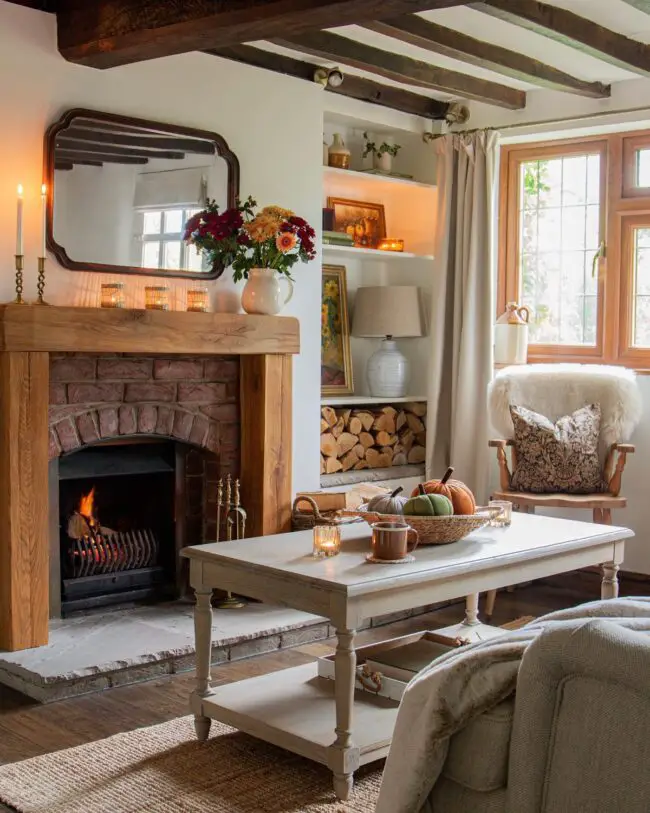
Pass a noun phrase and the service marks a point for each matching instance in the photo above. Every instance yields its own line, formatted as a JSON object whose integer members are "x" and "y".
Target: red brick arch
{"x": 95, "y": 398}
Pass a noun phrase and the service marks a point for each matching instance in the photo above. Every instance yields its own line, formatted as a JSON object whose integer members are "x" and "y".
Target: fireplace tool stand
{"x": 234, "y": 517}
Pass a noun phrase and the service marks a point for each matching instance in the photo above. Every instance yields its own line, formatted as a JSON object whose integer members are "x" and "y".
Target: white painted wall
{"x": 273, "y": 124}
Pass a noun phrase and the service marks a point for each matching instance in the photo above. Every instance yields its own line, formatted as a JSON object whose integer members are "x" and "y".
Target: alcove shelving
{"x": 410, "y": 205}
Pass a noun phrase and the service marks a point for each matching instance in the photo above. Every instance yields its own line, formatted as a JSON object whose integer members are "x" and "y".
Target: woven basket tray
{"x": 431, "y": 530}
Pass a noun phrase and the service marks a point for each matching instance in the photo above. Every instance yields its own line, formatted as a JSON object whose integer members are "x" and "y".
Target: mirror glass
{"x": 122, "y": 189}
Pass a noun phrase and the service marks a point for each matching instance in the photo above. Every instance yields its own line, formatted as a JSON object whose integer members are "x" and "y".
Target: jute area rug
{"x": 164, "y": 769}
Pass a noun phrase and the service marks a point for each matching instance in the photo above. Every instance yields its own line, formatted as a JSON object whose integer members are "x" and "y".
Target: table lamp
{"x": 387, "y": 312}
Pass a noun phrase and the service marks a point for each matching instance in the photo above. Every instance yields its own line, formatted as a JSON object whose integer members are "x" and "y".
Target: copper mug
{"x": 393, "y": 540}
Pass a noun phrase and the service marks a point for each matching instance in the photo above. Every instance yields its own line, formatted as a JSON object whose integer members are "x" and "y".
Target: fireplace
{"x": 76, "y": 379}
{"x": 116, "y": 535}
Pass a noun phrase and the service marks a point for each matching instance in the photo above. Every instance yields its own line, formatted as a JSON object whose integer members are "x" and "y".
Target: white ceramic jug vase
{"x": 262, "y": 292}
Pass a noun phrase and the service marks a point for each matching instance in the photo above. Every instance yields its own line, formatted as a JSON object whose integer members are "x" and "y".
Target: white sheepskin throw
{"x": 555, "y": 390}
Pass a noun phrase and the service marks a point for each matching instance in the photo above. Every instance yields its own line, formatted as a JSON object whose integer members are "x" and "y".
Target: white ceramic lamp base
{"x": 388, "y": 371}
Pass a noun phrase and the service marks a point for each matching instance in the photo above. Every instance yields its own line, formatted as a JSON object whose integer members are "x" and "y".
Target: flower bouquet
{"x": 274, "y": 238}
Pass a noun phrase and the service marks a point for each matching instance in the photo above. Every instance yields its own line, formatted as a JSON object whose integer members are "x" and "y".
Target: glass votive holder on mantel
{"x": 112, "y": 295}
{"x": 197, "y": 300}
{"x": 501, "y": 513}
{"x": 156, "y": 297}
{"x": 327, "y": 540}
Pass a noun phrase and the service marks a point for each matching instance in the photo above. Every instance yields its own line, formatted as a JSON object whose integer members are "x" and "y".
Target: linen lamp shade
{"x": 386, "y": 312}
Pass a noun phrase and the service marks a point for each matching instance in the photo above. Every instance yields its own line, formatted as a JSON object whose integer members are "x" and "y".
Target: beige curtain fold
{"x": 462, "y": 311}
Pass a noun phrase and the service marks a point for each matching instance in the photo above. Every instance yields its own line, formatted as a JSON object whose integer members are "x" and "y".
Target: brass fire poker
{"x": 235, "y": 518}
{"x": 40, "y": 285}
{"x": 20, "y": 264}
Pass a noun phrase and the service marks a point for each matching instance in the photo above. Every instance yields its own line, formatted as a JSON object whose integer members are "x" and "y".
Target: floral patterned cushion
{"x": 560, "y": 456}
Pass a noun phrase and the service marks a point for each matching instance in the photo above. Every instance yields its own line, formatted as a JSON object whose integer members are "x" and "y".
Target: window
{"x": 161, "y": 236}
{"x": 574, "y": 246}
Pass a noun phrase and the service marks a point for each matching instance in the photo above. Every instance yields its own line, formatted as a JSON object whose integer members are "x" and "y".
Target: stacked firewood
{"x": 364, "y": 438}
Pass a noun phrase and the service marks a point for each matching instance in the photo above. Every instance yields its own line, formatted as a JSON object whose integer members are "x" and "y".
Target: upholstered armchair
{"x": 555, "y": 390}
{"x": 571, "y": 738}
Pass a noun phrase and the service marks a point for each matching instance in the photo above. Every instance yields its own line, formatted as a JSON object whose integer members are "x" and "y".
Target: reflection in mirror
{"x": 122, "y": 190}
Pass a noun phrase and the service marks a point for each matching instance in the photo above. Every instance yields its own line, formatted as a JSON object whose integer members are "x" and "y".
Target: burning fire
{"x": 86, "y": 504}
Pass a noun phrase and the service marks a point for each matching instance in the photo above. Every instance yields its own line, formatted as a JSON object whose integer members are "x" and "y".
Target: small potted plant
{"x": 261, "y": 248}
{"x": 382, "y": 155}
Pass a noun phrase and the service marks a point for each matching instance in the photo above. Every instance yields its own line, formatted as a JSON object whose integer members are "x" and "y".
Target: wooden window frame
{"x": 624, "y": 206}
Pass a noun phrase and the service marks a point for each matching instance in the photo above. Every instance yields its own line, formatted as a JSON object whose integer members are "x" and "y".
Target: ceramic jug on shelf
{"x": 338, "y": 153}
{"x": 511, "y": 335}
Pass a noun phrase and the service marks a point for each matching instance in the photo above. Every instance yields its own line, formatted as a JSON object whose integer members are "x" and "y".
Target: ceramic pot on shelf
{"x": 262, "y": 293}
{"x": 338, "y": 153}
{"x": 383, "y": 162}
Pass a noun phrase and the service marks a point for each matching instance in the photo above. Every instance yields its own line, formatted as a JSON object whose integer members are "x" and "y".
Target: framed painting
{"x": 336, "y": 359}
{"x": 364, "y": 222}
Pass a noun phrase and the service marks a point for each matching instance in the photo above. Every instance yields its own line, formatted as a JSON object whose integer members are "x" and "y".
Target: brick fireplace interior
{"x": 137, "y": 446}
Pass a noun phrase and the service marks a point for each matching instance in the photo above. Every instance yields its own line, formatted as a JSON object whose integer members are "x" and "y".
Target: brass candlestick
{"x": 40, "y": 285}
{"x": 20, "y": 264}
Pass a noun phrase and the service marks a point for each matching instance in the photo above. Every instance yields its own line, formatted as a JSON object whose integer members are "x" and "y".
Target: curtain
{"x": 462, "y": 309}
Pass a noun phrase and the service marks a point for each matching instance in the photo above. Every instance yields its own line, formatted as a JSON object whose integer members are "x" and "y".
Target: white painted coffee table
{"x": 328, "y": 721}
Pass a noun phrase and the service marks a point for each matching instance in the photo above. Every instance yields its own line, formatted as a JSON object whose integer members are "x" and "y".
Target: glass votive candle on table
{"x": 197, "y": 300}
{"x": 156, "y": 297}
{"x": 501, "y": 513}
{"x": 112, "y": 295}
{"x": 327, "y": 540}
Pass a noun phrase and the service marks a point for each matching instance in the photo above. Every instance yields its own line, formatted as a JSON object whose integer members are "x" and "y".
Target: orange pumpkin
{"x": 460, "y": 495}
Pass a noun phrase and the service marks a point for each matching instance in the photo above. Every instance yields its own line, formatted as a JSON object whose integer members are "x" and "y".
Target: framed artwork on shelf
{"x": 336, "y": 359}
{"x": 364, "y": 222}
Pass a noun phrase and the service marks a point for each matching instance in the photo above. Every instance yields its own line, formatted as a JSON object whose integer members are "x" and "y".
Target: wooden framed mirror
{"x": 120, "y": 190}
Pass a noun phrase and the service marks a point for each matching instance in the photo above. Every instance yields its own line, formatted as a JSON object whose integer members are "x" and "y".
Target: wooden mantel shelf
{"x": 33, "y": 328}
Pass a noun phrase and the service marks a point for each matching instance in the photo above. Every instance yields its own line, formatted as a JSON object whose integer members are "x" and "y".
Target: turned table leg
{"x": 471, "y": 610}
{"x": 609, "y": 583}
{"x": 343, "y": 756}
{"x": 203, "y": 637}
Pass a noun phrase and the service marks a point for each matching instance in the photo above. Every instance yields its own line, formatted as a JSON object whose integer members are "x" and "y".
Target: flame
{"x": 87, "y": 503}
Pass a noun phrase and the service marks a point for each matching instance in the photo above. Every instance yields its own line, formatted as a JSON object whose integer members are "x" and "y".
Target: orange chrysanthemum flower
{"x": 286, "y": 241}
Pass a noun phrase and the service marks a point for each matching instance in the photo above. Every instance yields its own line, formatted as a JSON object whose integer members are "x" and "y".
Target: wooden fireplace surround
{"x": 29, "y": 333}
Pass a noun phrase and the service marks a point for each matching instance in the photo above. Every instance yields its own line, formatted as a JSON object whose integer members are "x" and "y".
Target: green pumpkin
{"x": 429, "y": 505}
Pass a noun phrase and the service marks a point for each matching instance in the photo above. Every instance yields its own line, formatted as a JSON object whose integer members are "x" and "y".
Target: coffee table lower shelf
{"x": 295, "y": 709}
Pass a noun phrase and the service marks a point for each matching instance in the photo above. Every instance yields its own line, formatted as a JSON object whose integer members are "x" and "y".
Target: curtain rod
{"x": 429, "y": 137}
{"x": 582, "y": 117}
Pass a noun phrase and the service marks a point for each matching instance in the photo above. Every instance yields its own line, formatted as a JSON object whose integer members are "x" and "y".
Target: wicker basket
{"x": 431, "y": 530}
{"x": 305, "y": 520}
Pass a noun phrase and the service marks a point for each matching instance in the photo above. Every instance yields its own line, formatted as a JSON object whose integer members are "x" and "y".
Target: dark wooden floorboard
{"x": 28, "y": 729}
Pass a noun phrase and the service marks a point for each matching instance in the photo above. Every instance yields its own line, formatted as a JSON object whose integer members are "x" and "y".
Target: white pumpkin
{"x": 388, "y": 503}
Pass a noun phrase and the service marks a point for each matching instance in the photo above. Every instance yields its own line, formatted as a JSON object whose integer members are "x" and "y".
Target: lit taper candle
{"x": 19, "y": 221}
{"x": 43, "y": 216}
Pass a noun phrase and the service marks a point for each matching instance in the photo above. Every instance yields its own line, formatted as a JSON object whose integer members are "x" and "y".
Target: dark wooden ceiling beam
{"x": 78, "y": 145}
{"x": 78, "y": 158}
{"x": 354, "y": 87}
{"x": 438, "y": 39}
{"x": 570, "y": 29}
{"x": 115, "y": 32}
{"x": 125, "y": 139}
{"x": 326, "y": 45}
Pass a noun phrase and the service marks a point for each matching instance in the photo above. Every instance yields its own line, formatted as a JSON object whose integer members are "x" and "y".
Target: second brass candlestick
{"x": 40, "y": 285}
{"x": 20, "y": 264}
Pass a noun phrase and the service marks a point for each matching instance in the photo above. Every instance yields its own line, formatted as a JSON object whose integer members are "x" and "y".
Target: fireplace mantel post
{"x": 266, "y": 443}
{"x": 24, "y": 547}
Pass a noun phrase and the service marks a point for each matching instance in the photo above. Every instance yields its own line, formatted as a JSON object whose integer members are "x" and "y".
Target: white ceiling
{"x": 614, "y": 14}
